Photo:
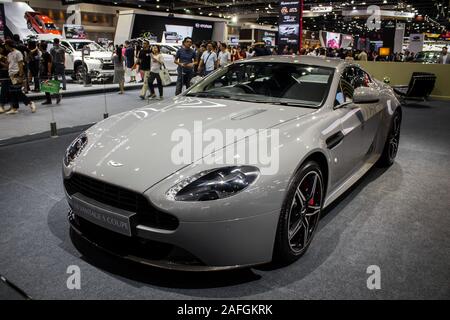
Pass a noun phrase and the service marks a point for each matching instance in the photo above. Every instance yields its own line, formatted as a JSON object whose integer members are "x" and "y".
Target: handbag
{"x": 50, "y": 86}
{"x": 166, "y": 80}
{"x": 16, "y": 79}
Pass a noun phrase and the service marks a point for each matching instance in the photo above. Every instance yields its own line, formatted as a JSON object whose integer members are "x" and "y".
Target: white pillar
{"x": 124, "y": 27}
{"x": 220, "y": 32}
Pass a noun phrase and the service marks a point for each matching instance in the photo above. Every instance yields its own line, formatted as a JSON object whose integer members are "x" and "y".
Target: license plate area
{"x": 114, "y": 219}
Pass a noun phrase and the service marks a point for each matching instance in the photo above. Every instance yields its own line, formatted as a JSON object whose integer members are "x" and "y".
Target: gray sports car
{"x": 236, "y": 170}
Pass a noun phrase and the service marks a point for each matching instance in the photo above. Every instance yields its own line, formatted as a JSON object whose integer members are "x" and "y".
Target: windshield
{"x": 78, "y": 46}
{"x": 279, "y": 83}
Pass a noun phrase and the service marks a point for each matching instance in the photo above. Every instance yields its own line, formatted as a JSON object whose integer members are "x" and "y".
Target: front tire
{"x": 391, "y": 146}
{"x": 299, "y": 214}
{"x": 79, "y": 73}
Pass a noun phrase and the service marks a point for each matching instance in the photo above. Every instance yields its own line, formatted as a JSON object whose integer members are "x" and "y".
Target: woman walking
{"x": 156, "y": 67}
{"x": 119, "y": 70}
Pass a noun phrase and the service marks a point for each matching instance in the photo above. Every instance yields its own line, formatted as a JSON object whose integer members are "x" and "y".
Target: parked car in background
{"x": 427, "y": 56}
{"x": 40, "y": 23}
{"x": 98, "y": 64}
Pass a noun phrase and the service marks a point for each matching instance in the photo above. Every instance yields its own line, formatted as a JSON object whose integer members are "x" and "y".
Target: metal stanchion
{"x": 53, "y": 129}
{"x": 105, "y": 114}
{"x": 86, "y": 51}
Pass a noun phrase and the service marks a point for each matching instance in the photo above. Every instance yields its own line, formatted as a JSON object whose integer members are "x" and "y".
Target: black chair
{"x": 420, "y": 87}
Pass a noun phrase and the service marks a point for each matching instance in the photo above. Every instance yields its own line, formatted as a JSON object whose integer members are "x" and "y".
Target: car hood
{"x": 134, "y": 149}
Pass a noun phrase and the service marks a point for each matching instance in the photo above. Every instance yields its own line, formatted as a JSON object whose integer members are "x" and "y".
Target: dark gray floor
{"x": 398, "y": 219}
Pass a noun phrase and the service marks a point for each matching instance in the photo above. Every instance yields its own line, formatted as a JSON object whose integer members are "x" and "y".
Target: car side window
{"x": 66, "y": 49}
{"x": 39, "y": 22}
{"x": 65, "y": 44}
{"x": 362, "y": 79}
{"x": 356, "y": 77}
{"x": 344, "y": 92}
{"x": 349, "y": 75}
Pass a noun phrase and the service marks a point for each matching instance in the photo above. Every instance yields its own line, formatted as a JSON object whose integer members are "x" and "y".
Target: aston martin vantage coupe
{"x": 236, "y": 170}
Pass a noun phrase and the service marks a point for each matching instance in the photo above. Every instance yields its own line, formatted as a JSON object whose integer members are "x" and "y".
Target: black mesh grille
{"x": 120, "y": 198}
{"x": 108, "y": 66}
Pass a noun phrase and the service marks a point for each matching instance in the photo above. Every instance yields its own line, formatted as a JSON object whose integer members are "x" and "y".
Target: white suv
{"x": 98, "y": 64}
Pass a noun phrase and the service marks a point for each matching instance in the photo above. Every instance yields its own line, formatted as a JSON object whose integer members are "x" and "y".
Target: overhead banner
{"x": 74, "y": 31}
{"x": 322, "y": 9}
{"x": 399, "y": 35}
{"x": 289, "y": 25}
{"x": 383, "y": 13}
{"x": 416, "y": 42}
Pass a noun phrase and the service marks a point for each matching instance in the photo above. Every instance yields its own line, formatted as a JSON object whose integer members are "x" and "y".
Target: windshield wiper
{"x": 209, "y": 95}
{"x": 294, "y": 104}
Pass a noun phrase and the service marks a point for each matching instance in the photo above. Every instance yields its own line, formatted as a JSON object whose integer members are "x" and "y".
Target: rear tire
{"x": 392, "y": 141}
{"x": 299, "y": 214}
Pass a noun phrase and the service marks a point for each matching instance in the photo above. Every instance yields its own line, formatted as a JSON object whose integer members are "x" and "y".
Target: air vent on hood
{"x": 247, "y": 114}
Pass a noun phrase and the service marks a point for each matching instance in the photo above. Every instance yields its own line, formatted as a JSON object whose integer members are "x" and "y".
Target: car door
{"x": 371, "y": 112}
{"x": 349, "y": 154}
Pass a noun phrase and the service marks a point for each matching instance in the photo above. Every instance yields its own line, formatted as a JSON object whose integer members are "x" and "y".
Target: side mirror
{"x": 363, "y": 95}
{"x": 195, "y": 80}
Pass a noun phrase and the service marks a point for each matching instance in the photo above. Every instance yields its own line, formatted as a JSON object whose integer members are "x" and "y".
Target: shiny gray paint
{"x": 239, "y": 230}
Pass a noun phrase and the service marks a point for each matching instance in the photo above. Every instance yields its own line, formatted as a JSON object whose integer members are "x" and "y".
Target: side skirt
{"x": 351, "y": 180}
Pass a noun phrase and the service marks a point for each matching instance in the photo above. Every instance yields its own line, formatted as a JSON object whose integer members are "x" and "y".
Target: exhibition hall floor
{"x": 397, "y": 219}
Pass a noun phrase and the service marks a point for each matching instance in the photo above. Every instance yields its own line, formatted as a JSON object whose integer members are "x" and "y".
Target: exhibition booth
{"x": 172, "y": 28}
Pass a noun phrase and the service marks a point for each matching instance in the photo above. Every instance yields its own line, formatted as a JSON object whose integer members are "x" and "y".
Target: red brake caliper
{"x": 311, "y": 202}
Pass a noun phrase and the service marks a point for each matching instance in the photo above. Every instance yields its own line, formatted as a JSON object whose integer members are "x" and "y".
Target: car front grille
{"x": 121, "y": 198}
{"x": 108, "y": 66}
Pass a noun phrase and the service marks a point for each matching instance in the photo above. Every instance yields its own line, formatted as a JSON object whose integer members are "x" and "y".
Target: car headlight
{"x": 75, "y": 148}
{"x": 213, "y": 184}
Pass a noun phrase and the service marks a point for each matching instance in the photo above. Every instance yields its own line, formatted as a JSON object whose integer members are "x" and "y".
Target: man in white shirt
{"x": 15, "y": 63}
{"x": 224, "y": 55}
{"x": 444, "y": 58}
{"x": 208, "y": 61}
{"x": 17, "y": 75}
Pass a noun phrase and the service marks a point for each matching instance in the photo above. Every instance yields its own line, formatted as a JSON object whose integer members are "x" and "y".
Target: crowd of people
{"x": 199, "y": 59}
{"x": 353, "y": 54}
{"x": 363, "y": 55}
{"x": 24, "y": 66}
{"x": 146, "y": 61}
{"x": 202, "y": 58}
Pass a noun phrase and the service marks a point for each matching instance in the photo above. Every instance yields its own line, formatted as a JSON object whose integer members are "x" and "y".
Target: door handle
{"x": 333, "y": 140}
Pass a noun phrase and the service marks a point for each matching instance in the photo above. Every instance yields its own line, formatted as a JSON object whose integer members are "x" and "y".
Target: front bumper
{"x": 101, "y": 74}
{"x": 192, "y": 246}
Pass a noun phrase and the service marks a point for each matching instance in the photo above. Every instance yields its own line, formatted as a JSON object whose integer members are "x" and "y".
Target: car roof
{"x": 317, "y": 61}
